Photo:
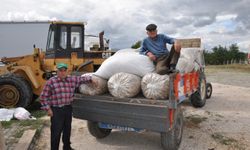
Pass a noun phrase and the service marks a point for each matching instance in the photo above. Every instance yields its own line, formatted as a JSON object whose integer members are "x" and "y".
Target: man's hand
{"x": 50, "y": 112}
{"x": 151, "y": 56}
{"x": 177, "y": 46}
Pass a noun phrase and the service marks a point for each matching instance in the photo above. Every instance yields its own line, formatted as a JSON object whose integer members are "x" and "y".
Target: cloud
{"x": 216, "y": 22}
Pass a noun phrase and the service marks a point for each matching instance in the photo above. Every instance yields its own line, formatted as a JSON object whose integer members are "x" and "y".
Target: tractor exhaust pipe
{"x": 101, "y": 34}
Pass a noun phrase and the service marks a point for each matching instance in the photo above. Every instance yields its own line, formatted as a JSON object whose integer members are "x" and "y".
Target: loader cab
{"x": 65, "y": 38}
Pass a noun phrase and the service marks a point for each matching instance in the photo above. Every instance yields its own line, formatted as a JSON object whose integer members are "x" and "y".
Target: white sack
{"x": 185, "y": 65}
{"x": 90, "y": 89}
{"x": 123, "y": 85}
{"x": 189, "y": 60}
{"x": 6, "y": 114}
{"x": 155, "y": 86}
{"x": 22, "y": 114}
{"x": 129, "y": 61}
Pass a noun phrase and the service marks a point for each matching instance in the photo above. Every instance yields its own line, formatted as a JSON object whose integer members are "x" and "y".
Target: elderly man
{"x": 154, "y": 46}
{"x": 56, "y": 99}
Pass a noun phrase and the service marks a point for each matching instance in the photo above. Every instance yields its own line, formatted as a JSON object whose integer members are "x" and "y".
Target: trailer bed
{"x": 136, "y": 112}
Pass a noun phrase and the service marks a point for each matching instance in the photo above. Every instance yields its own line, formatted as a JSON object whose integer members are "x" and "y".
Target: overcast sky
{"x": 217, "y": 22}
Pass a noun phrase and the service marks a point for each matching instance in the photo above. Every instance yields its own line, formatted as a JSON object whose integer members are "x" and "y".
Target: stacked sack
{"x": 190, "y": 59}
{"x": 90, "y": 89}
{"x": 155, "y": 86}
{"x": 123, "y": 85}
{"x": 125, "y": 74}
{"x": 123, "y": 71}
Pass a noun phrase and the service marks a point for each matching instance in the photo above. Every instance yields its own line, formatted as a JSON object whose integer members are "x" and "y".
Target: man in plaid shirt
{"x": 56, "y": 99}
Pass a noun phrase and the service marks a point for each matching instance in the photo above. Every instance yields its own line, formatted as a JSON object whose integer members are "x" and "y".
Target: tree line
{"x": 224, "y": 55}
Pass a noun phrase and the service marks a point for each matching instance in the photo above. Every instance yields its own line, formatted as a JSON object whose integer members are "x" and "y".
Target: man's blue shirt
{"x": 156, "y": 46}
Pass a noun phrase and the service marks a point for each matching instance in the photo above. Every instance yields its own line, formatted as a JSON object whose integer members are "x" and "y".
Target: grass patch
{"x": 19, "y": 133}
{"x": 228, "y": 68}
{"x": 222, "y": 139}
{"x": 194, "y": 121}
{"x": 33, "y": 124}
{"x": 6, "y": 124}
{"x": 39, "y": 113}
{"x": 231, "y": 142}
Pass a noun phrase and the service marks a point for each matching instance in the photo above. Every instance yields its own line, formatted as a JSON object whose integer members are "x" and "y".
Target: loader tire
{"x": 96, "y": 131}
{"x": 15, "y": 91}
{"x": 198, "y": 98}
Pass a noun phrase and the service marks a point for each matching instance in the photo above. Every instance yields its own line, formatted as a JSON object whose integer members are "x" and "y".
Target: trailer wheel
{"x": 96, "y": 131}
{"x": 198, "y": 99}
{"x": 171, "y": 140}
{"x": 15, "y": 91}
{"x": 209, "y": 90}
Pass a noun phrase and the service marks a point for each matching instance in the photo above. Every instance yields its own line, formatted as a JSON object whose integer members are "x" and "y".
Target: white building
{"x": 17, "y": 38}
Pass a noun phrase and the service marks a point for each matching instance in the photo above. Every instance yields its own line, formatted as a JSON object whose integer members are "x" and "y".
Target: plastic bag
{"x": 22, "y": 114}
{"x": 6, "y": 114}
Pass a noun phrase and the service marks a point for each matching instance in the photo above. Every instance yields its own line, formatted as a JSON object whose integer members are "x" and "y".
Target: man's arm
{"x": 177, "y": 46}
{"x": 45, "y": 98}
{"x": 83, "y": 79}
{"x": 146, "y": 52}
{"x": 174, "y": 42}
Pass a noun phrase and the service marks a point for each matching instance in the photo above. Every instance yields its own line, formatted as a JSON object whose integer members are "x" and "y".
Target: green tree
{"x": 136, "y": 45}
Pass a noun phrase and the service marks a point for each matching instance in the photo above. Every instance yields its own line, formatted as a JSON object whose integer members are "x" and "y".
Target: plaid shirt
{"x": 59, "y": 92}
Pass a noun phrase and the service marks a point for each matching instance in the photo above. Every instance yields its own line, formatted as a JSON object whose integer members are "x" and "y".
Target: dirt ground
{"x": 222, "y": 124}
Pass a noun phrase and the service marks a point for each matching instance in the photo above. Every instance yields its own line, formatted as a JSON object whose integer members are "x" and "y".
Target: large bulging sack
{"x": 185, "y": 65}
{"x": 127, "y": 60}
{"x": 155, "y": 86}
{"x": 190, "y": 59}
{"x": 90, "y": 89}
{"x": 123, "y": 85}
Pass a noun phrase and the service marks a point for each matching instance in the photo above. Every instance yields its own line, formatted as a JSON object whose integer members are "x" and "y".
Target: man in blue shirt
{"x": 154, "y": 46}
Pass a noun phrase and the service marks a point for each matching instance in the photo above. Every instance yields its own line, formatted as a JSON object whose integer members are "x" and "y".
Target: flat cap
{"x": 151, "y": 27}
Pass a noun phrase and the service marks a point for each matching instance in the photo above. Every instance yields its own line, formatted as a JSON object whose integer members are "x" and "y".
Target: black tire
{"x": 96, "y": 131}
{"x": 209, "y": 90}
{"x": 198, "y": 99}
{"x": 171, "y": 140}
{"x": 15, "y": 91}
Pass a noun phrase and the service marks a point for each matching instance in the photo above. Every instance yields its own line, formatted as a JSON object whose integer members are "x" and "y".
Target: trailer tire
{"x": 96, "y": 131}
{"x": 209, "y": 90}
{"x": 15, "y": 91}
{"x": 198, "y": 98}
{"x": 172, "y": 139}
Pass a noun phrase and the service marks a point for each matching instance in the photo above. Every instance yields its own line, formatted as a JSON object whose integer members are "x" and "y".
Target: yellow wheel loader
{"x": 22, "y": 78}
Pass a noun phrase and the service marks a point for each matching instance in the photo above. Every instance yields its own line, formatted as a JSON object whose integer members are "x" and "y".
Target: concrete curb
{"x": 25, "y": 140}
{"x": 29, "y": 138}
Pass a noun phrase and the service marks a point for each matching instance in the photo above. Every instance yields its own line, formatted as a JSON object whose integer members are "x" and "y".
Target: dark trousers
{"x": 61, "y": 123}
{"x": 163, "y": 63}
